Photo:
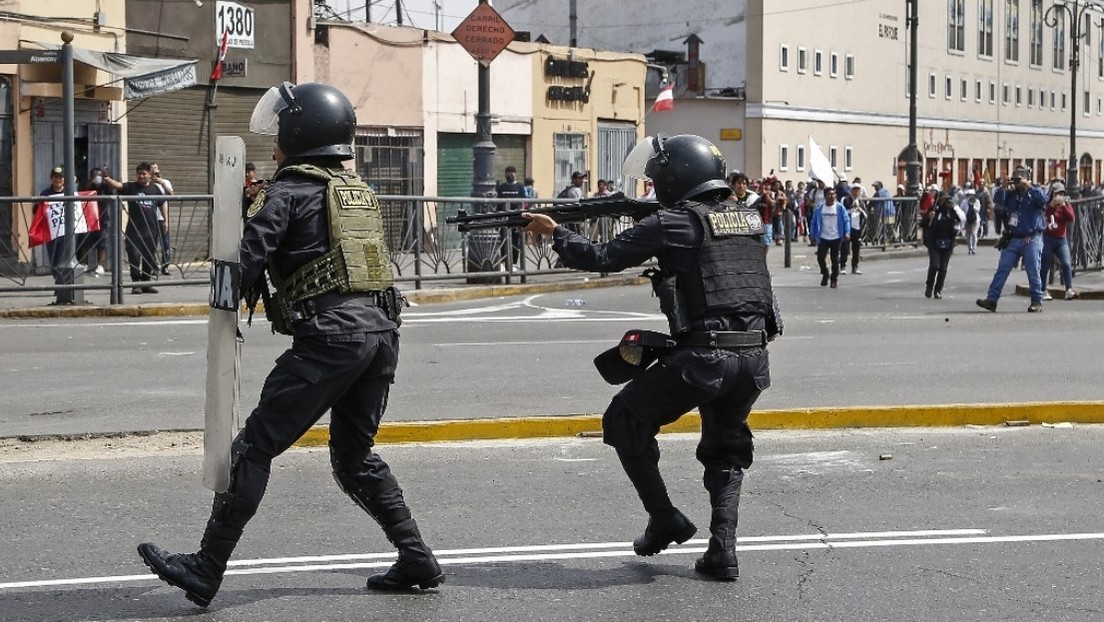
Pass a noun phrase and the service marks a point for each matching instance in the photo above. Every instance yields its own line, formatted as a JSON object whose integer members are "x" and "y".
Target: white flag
{"x": 819, "y": 165}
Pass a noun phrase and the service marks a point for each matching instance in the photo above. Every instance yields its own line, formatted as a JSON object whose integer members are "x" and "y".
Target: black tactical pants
{"x": 722, "y": 385}
{"x": 348, "y": 374}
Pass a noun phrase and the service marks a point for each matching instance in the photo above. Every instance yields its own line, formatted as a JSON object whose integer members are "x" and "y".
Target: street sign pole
{"x": 68, "y": 270}
{"x": 484, "y": 34}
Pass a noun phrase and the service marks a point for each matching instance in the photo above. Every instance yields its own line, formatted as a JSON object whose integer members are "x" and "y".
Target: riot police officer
{"x": 714, "y": 287}
{"x": 317, "y": 230}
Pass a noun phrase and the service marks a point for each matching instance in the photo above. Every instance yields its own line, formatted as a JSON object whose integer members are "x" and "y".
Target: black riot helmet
{"x": 681, "y": 167}
{"x": 309, "y": 119}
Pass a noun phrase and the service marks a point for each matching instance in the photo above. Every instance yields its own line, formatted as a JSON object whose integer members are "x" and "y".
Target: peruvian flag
{"x": 216, "y": 72}
{"x": 48, "y": 222}
{"x": 665, "y": 100}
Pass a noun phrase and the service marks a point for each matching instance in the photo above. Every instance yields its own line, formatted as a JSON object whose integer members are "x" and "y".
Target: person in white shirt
{"x": 829, "y": 227}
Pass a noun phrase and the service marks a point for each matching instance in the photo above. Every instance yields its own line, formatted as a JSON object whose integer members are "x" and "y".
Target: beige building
{"x": 554, "y": 110}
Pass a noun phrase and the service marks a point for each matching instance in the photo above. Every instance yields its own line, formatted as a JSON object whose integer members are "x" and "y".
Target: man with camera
{"x": 1024, "y": 204}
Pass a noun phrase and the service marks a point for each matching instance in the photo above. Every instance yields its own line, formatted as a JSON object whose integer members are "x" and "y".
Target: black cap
{"x": 578, "y": 174}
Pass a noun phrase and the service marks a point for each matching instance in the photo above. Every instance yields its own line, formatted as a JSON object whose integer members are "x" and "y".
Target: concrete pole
{"x": 69, "y": 268}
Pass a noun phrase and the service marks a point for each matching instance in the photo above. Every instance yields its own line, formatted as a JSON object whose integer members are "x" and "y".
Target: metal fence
{"x": 424, "y": 248}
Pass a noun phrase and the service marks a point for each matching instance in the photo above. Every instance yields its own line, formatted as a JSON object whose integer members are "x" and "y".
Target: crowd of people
{"x": 148, "y": 245}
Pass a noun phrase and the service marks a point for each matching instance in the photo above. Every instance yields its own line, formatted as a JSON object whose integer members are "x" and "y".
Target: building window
{"x": 977, "y": 91}
{"x": 390, "y": 160}
{"x": 985, "y": 28}
{"x": 818, "y": 63}
{"x": 992, "y": 92}
{"x": 1035, "y": 45}
{"x": 1058, "y": 51}
{"x": 931, "y": 85}
{"x": 956, "y": 25}
{"x": 1004, "y": 94}
{"x": 1099, "y": 106}
{"x": 784, "y": 57}
{"x": 1100, "y": 60}
{"x": 833, "y": 156}
{"x": 802, "y": 60}
{"x": 1063, "y": 101}
{"x": 569, "y": 155}
{"x": 1053, "y": 98}
{"x": 801, "y": 157}
{"x": 1019, "y": 95}
{"x": 848, "y": 158}
{"x": 849, "y": 66}
{"x": 1012, "y": 30}
{"x": 948, "y": 87}
{"x": 964, "y": 90}
{"x": 783, "y": 157}
{"x": 1087, "y": 107}
{"x": 1030, "y": 97}
{"x": 833, "y": 65}
{"x": 1042, "y": 98}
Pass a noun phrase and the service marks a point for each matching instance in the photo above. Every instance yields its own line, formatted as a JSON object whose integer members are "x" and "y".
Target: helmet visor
{"x": 637, "y": 160}
{"x": 266, "y": 114}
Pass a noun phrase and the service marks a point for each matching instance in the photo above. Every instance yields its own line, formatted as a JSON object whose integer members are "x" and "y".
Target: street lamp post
{"x": 1075, "y": 12}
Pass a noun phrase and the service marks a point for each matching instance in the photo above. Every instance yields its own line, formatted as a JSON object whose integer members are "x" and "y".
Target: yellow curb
{"x": 948, "y": 415}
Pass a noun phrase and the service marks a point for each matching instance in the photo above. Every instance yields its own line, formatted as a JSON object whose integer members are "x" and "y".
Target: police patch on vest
{"x": 728, "y": 224}
{"x": 257, "y": 204}
{"x": 352, "y": 196}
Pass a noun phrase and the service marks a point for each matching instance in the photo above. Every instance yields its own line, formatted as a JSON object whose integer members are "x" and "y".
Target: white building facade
{"x": 994, "y": 82}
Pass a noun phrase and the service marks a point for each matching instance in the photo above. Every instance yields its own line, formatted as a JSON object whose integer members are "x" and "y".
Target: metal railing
{"x": 424, "y": 248}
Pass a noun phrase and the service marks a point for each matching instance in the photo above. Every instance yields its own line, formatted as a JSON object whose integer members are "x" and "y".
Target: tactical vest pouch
{"x": 358, "y": 259}
{"x": 671, "y": 301}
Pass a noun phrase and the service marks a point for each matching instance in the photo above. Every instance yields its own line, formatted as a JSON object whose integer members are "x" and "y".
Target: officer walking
{"x": 317, "y": 229}
{"x": 714, "y": 287}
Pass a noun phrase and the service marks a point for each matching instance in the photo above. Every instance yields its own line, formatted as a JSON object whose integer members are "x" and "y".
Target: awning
{"x": 142, "y": 76}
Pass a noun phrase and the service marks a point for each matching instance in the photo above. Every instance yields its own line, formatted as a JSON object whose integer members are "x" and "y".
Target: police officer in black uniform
{"x": 338, "y": 303}
{"x": 715, "y": 289}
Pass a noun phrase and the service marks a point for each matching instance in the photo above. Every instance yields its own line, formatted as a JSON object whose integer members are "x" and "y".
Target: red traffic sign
{"x": 484, "y": 34}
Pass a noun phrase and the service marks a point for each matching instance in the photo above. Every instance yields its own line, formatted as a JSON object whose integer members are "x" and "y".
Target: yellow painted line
{"x": 948, "y": 415}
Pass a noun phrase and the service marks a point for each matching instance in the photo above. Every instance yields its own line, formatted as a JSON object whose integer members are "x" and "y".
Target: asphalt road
{"x": 874, "y": 341}
{"x": 874, "y": 525}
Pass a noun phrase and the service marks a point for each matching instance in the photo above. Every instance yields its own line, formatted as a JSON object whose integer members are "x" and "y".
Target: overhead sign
{"x": 237, "y": 21}
{"x": 484, "y": 34}
{"x": 19, "y": 57}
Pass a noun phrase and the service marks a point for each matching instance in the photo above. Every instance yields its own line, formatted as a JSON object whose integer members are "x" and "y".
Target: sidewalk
{"x": 191, "y": 299}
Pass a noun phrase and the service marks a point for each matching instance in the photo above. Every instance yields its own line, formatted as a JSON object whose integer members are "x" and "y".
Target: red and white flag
{"x": 48, "y": 222}
{"x": 665, "y": 100}
{"x": 216, "y": 71}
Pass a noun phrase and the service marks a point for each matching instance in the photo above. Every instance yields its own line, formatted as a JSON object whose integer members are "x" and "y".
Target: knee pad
{"x": 622, "y": 430}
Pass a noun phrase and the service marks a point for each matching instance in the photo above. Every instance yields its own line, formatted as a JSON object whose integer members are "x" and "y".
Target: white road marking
{"x": 547, "y": 552}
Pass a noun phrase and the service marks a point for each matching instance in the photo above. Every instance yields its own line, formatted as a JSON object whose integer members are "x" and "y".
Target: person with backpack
{"x": 971, "y": 207}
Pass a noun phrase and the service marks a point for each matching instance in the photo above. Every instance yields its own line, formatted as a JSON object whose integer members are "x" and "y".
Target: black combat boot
{"x": 719, "y": 561}
{"x": 416, "y": 566}
{"x": 666, "y": 524}
{"x": 663, "y": 530}
{"x": 199, "y": 574}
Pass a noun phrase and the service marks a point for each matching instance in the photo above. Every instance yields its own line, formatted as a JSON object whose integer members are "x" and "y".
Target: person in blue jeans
{"x": 1058, "y": 216}
{"x": 1024, "y": 204}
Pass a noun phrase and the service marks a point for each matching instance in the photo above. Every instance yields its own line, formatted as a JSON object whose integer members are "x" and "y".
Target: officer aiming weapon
{"x": 614, "y": 205}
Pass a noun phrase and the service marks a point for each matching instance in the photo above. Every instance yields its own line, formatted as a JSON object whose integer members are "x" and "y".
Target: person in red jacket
{"x": 1057, "y": 216}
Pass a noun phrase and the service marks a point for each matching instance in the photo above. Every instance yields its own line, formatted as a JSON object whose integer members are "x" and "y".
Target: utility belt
{"x": 389, "y": 299}
{"x": 640, "y": 348}
{"x": 724, "y": 339}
